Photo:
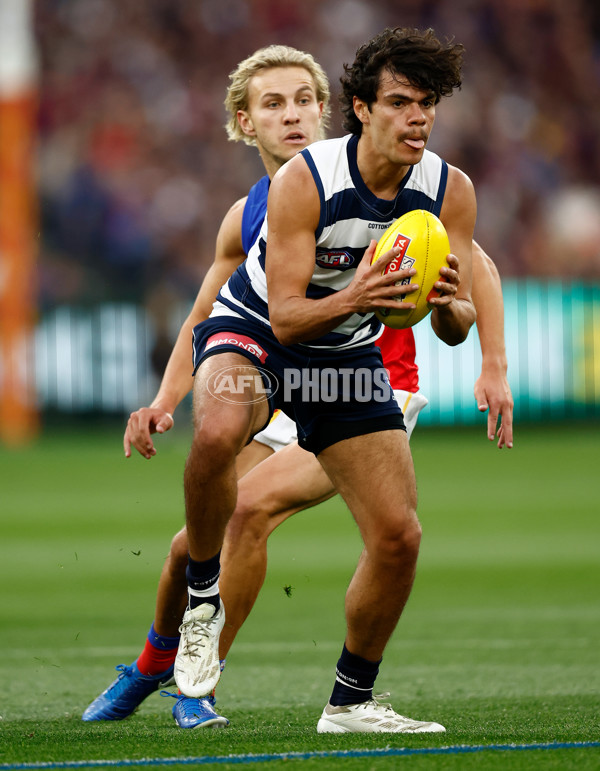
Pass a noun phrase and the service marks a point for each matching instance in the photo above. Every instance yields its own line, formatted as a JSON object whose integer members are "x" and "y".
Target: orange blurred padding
{"x": 18, "y": 251}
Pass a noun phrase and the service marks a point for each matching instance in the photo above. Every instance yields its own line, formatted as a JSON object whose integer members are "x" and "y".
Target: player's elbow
{"x": 456, "y": 337}
{"x": 460, "y": 333}
{"x": 454, "y": 329}
{"x": 280, "y": 324}
{"x": 283, "y": 333}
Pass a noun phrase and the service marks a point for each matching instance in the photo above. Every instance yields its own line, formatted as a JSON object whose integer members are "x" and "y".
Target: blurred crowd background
{"x": 136, "y": 173}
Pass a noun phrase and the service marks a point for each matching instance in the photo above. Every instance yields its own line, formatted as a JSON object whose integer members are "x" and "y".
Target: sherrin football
{"x": 424, "y": 245}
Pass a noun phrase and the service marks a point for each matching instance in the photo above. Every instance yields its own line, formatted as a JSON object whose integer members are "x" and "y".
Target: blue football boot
{"x": 126, "y": 693}
{"x": 196, "y": 713}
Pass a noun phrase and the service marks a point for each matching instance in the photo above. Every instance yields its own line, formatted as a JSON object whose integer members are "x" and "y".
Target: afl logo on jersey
{"x": 334, "y": 259}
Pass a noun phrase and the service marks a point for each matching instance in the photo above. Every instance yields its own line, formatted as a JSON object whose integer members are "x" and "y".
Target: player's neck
{"x": 380, "y": 174}
{"x": 271, "y": 162}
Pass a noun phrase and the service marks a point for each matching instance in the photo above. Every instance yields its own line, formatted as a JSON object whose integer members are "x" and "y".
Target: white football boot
{"x": 197, "y": 669}
{"x": 371, "y": 717}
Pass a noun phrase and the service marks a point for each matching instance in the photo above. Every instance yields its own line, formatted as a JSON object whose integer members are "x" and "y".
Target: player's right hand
{"x": 371, "y": 288}
{"x": 141, "y": 424}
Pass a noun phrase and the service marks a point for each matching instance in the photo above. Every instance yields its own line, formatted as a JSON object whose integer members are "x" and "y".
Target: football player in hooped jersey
{"x": 268, "y": 106}
{"x": 291, "y": 314}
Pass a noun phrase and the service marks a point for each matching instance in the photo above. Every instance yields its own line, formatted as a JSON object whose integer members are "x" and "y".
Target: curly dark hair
{"x": 425, "y": 61}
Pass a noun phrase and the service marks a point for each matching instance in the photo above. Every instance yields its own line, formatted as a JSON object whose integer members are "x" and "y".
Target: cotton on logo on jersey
{"x": 241, "y": 341}
{"x": 334, "y": 259}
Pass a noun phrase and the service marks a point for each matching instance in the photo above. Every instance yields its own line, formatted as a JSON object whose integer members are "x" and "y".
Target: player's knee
{"x": 177, "y": 558}
{"x": 399, "y": 542}
{"x": 213, "y": 448}
{"x": 249, "y": 523}
{"x": 178, "y": 553}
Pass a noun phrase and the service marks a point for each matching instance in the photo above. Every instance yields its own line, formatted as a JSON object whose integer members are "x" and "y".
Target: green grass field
{"x": 500, "y": 641}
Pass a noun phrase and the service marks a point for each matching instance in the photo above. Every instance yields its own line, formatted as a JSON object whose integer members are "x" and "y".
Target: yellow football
{"x": 424, "y": 244}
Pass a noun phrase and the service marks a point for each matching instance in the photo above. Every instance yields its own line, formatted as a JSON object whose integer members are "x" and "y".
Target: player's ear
{"x": 361, "y": 109}
{"x": 245, "y": 122}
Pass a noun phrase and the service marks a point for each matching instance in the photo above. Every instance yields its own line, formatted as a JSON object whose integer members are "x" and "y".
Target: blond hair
{"x": 263, "y": 59}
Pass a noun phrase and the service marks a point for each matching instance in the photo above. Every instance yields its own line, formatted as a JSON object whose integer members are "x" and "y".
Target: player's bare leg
{"x": 153, "y": 668}
{"x": 291, "y": 480}
{"x": 288, "y": 482}
{"x": 221, "y": 430}
{"x": 172, "y": 596}
{"x": 252, "y": 454}
{"x": 375, "y": 476}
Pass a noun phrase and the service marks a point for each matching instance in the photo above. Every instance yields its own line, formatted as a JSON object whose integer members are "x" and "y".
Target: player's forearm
{"x": 298, "y": 319}
{"x": 487, "y": 298}
{"x": 451, "y": 323}
{"x": 177, "y": 380}
{"x": 491, "y": 340}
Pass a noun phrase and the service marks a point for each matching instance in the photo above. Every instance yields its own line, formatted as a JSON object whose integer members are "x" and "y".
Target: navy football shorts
{"x": 331, "y": 395}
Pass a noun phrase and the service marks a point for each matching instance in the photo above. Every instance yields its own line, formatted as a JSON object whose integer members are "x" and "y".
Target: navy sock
{"x": 354, "y": 681}
{"x": 203, "y": 581}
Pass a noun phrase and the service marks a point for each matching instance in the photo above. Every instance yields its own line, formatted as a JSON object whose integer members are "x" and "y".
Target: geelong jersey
{"x": 397, "y": 345}
{"x": 350, "y": 217}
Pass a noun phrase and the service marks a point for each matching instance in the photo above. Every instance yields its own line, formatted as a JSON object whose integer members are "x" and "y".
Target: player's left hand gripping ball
{"x": 424, "y": 246}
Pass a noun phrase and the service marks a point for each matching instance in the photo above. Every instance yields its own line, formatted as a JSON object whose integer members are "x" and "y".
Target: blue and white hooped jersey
{"x": 350, "y": 217}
